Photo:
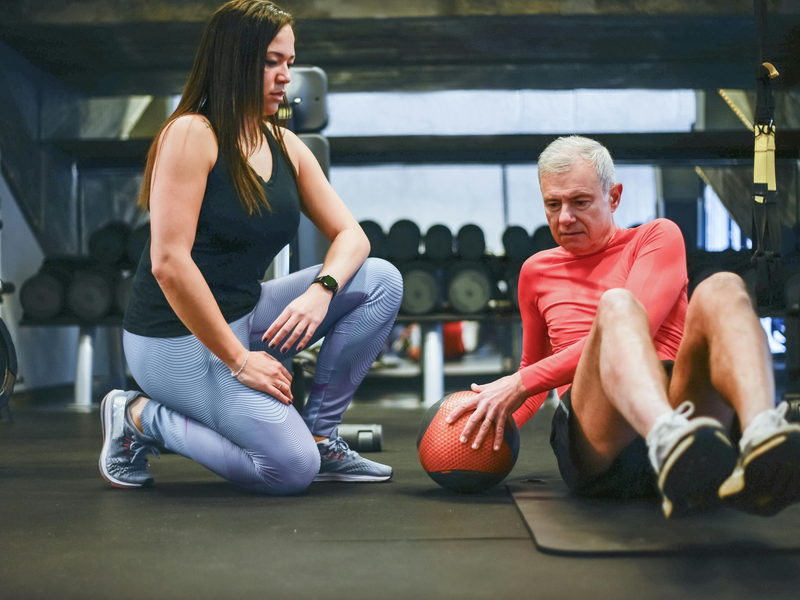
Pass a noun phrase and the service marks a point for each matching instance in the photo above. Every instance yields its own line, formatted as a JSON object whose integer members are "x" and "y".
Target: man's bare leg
{"x": 620, "y": 391}
{"x": 620, "y": 387}
{"x": 723, "y": 363}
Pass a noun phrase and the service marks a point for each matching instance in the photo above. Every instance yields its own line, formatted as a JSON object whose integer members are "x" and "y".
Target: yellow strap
{"x": 772, "y": 184}
{"x": 764, "y": 156}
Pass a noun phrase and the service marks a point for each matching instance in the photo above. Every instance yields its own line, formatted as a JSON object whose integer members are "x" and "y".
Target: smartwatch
{"x": 328, "y": 282}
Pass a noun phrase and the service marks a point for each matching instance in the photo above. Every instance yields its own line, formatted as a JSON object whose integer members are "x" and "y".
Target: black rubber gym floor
{"x": 65, "y": 534}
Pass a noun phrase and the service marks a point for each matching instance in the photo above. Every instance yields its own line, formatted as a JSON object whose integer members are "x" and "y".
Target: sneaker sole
{"x": 691, "y": 476}
{"x": 105, "y": 414}
{"x": 351, "y": 478}
{"x": 773, "y": 472}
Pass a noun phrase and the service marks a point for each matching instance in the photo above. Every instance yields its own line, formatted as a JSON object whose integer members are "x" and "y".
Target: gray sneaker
{"x": 123, "y": 459}
{"x": 339, "y": 463}
{"x": 767, "y": 475}
{"x": 691, "y": 458}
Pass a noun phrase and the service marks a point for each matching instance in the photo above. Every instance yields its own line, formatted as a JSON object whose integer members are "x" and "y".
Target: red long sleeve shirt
{"x": 559, "y": 293}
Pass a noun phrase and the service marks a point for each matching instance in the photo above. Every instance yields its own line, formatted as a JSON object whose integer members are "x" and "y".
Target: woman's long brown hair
{"x": 226, "y": 85}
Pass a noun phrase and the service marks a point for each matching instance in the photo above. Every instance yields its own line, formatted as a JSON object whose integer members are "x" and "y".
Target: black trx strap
{"x": 766, "y": 215}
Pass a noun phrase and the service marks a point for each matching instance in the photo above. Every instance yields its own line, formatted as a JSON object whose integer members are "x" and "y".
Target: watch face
{"x": 329, "y": 282}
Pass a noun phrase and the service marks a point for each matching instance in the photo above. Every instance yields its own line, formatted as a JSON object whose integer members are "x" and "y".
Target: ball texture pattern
{"x": 457, "y": 466}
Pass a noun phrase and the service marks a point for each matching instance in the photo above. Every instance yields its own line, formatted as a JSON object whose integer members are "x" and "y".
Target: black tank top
{"x": 231, "y": 248}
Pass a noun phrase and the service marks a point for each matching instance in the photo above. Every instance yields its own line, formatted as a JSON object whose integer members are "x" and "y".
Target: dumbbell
{"x": 362, "y": 438}
{"x": 543, "y": 239}
{"x": 109, "y": 244}
{"x": 470, "y": 242}
{"x": 90, "y": 292}
{"x": 422, "y": 287}
{"x": 43, "y": 296}
{"x": 403, "y": 240}
{"x": 470, "y": 287}
{"x": 517, "y": 243}
{"x": 376, "y": 237}
{"x": 439, "y": 243}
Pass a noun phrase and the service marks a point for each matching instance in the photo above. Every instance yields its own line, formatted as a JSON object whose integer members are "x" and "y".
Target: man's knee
{"x": 618, "y": 306}
{"x": 721, "y": 290}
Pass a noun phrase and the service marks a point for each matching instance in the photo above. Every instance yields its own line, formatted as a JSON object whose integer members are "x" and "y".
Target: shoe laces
{"x": 337, "y": 448}
{"x": 764, "y": 423}
{"x": 662, "y": 436}
{"x": 139, "y": 451}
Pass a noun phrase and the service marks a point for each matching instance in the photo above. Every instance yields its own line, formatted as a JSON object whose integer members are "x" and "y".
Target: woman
{"x": 225, "y": 186}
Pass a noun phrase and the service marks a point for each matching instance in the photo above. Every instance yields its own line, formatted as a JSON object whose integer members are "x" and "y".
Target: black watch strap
{"x": 328, "y": 282}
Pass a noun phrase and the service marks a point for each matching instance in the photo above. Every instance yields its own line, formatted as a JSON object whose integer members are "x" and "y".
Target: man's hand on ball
{"x": 494, "y": 404}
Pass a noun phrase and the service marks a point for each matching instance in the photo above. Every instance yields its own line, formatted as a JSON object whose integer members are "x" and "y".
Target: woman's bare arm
{"x": 349, "y": 247}
{"x": 187, "y": 154}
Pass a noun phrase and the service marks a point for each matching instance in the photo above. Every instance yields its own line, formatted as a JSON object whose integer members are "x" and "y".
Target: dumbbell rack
{"x": 84, "y": 371}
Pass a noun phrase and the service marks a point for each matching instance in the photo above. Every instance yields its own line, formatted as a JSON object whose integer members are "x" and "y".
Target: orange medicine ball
{"x": 457, "y": 466}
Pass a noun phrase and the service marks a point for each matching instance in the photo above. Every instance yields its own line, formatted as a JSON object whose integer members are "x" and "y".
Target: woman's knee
{"x": 384, "y": 280}
{"x": 294, "y": 472}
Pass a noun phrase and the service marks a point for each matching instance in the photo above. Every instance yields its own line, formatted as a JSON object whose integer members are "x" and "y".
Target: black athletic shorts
{"x": 630, "y": 474}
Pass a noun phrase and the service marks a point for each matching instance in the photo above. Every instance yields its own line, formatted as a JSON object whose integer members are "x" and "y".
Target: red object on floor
{"x": 453, "y": 334}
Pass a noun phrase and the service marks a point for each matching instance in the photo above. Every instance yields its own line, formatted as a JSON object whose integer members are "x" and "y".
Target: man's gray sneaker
{"x": 691, "y": 458}
{"x": 767, "y": 475}
{"x": 123, "y": 459}
{"x": 339, "y": 463}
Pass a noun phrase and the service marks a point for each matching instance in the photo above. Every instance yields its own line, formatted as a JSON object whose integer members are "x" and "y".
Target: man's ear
{"x": 614, "y": 196}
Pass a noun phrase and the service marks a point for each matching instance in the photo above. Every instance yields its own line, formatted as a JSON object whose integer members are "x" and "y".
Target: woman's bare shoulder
{"x": 190, "y": 133}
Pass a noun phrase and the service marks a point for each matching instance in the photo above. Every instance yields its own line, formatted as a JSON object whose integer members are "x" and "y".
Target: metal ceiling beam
{"x": 712, "y": 47}
{"x": 717, "y": 148}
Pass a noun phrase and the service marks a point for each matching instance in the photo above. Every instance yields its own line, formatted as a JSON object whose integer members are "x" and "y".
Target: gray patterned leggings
{"x": 199, "y": 410}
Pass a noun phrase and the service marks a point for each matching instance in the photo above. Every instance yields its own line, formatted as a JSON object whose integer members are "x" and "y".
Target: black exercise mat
{"x": 564, "y": 524}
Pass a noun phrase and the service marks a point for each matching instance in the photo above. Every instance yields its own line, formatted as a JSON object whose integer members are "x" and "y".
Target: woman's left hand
{"x": 303, "y": 315}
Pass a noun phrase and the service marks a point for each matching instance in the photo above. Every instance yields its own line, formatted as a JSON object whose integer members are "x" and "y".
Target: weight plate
{"x": 89, "y": 296}
{"x": 469, "y": 291}
{"x": 42, "y": 297}
{"x": 420, "y": 292}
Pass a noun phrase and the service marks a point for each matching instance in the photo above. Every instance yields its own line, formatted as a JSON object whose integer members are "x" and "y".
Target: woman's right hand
{"x": 265, "y": 374}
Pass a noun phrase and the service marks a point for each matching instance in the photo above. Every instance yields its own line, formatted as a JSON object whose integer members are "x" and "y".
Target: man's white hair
{"x": 561, "y": 154}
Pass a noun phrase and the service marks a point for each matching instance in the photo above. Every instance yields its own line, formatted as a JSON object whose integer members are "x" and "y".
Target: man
{"x": 607, "y": 312}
